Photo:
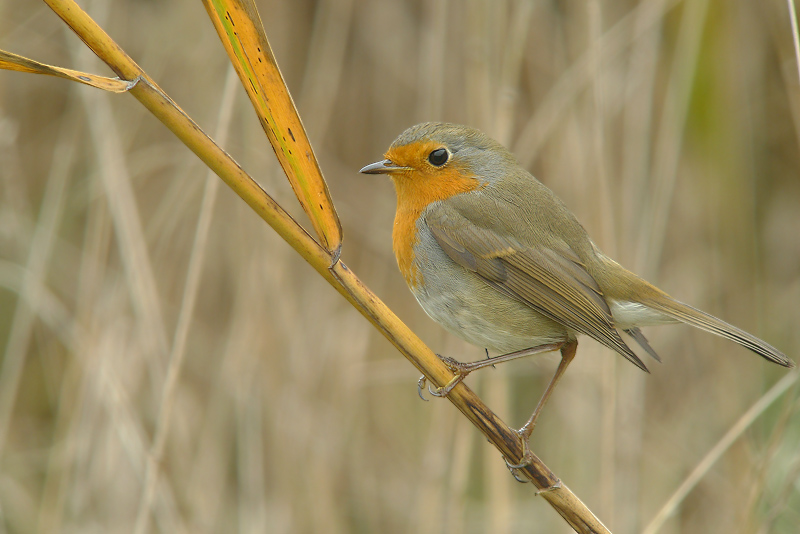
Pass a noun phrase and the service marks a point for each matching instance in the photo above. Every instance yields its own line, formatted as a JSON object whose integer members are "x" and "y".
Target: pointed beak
{"x": 382, "y": 167}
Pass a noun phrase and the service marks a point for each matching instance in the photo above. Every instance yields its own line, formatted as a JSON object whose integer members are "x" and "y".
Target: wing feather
{"x": 551, "y": 279}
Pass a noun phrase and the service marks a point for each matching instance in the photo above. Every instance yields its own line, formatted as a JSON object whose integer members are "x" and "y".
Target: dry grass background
{"x": 671, "y": 129}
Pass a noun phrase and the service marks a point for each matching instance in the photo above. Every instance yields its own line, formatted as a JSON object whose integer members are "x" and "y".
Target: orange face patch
{"x": 417, "y": 187}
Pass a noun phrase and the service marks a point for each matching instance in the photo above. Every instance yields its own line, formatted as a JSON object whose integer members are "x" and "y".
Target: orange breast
{"x": 415, "y": 191}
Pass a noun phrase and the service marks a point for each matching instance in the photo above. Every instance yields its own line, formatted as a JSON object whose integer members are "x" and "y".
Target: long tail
{"x": 702, "y": 320}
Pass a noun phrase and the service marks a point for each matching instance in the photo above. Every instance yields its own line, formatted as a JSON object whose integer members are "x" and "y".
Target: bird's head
{"x": 434, "y": 161}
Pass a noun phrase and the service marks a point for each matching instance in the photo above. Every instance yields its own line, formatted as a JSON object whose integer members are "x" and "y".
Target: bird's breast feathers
{"x": 415, "y": 192}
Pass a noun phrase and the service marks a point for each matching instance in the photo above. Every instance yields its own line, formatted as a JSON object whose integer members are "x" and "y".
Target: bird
{"x": 496, "y": 258}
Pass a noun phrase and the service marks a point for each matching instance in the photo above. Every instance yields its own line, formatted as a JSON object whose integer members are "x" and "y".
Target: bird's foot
{"x": 460, "y": 372}
{"x": 441, "y": 391}
{"x": 525, "y": 461}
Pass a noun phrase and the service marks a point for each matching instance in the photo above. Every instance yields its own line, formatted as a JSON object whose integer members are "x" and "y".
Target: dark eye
{"x": 438, "y": 157}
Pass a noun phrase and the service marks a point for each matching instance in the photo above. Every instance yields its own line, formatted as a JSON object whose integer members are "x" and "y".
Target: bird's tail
{"x": 704, "y": 321}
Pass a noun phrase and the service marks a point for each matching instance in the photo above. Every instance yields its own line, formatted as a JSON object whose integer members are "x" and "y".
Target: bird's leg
{"x": 461, "y": 370}
{"x": 567, "y": 354}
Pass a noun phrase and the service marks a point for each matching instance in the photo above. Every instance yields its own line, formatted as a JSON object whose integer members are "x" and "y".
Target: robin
{"x": 496, "y": 258}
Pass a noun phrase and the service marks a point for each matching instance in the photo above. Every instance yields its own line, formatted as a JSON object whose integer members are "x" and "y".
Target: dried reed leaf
{"x": 9, "y": 61}
{"x": 239, "y": 26}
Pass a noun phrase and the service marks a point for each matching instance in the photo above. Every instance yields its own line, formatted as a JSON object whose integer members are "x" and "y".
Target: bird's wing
{"x": 551, "y": 279}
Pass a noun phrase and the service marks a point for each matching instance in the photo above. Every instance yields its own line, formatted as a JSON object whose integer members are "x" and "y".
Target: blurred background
{"x": 669, "y": 127}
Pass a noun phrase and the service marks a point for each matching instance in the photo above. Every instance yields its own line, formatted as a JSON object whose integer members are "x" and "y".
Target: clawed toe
{"x": 525, "y": 462}
{"x": 420, "y": 385}
{"x": 516, "y": 476}
{"x": 458, "y": 370}
{"x": 442, "y": 391}
{"x": 527, "y": 456}
{"x": 513, "y": 468}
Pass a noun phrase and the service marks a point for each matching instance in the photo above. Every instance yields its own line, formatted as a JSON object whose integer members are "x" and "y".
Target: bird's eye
{"x": 438, "y": 157}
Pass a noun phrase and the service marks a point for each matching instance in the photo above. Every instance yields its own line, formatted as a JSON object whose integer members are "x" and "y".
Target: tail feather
{"x": 637, "y": 336}
{"x": 704, "y": 321}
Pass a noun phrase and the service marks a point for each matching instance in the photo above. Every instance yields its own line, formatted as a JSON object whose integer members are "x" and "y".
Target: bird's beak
{"x": 383, "y": 167}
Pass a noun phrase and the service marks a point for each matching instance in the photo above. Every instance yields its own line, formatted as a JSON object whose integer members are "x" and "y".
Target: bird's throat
{"x": 415, "y": 192}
